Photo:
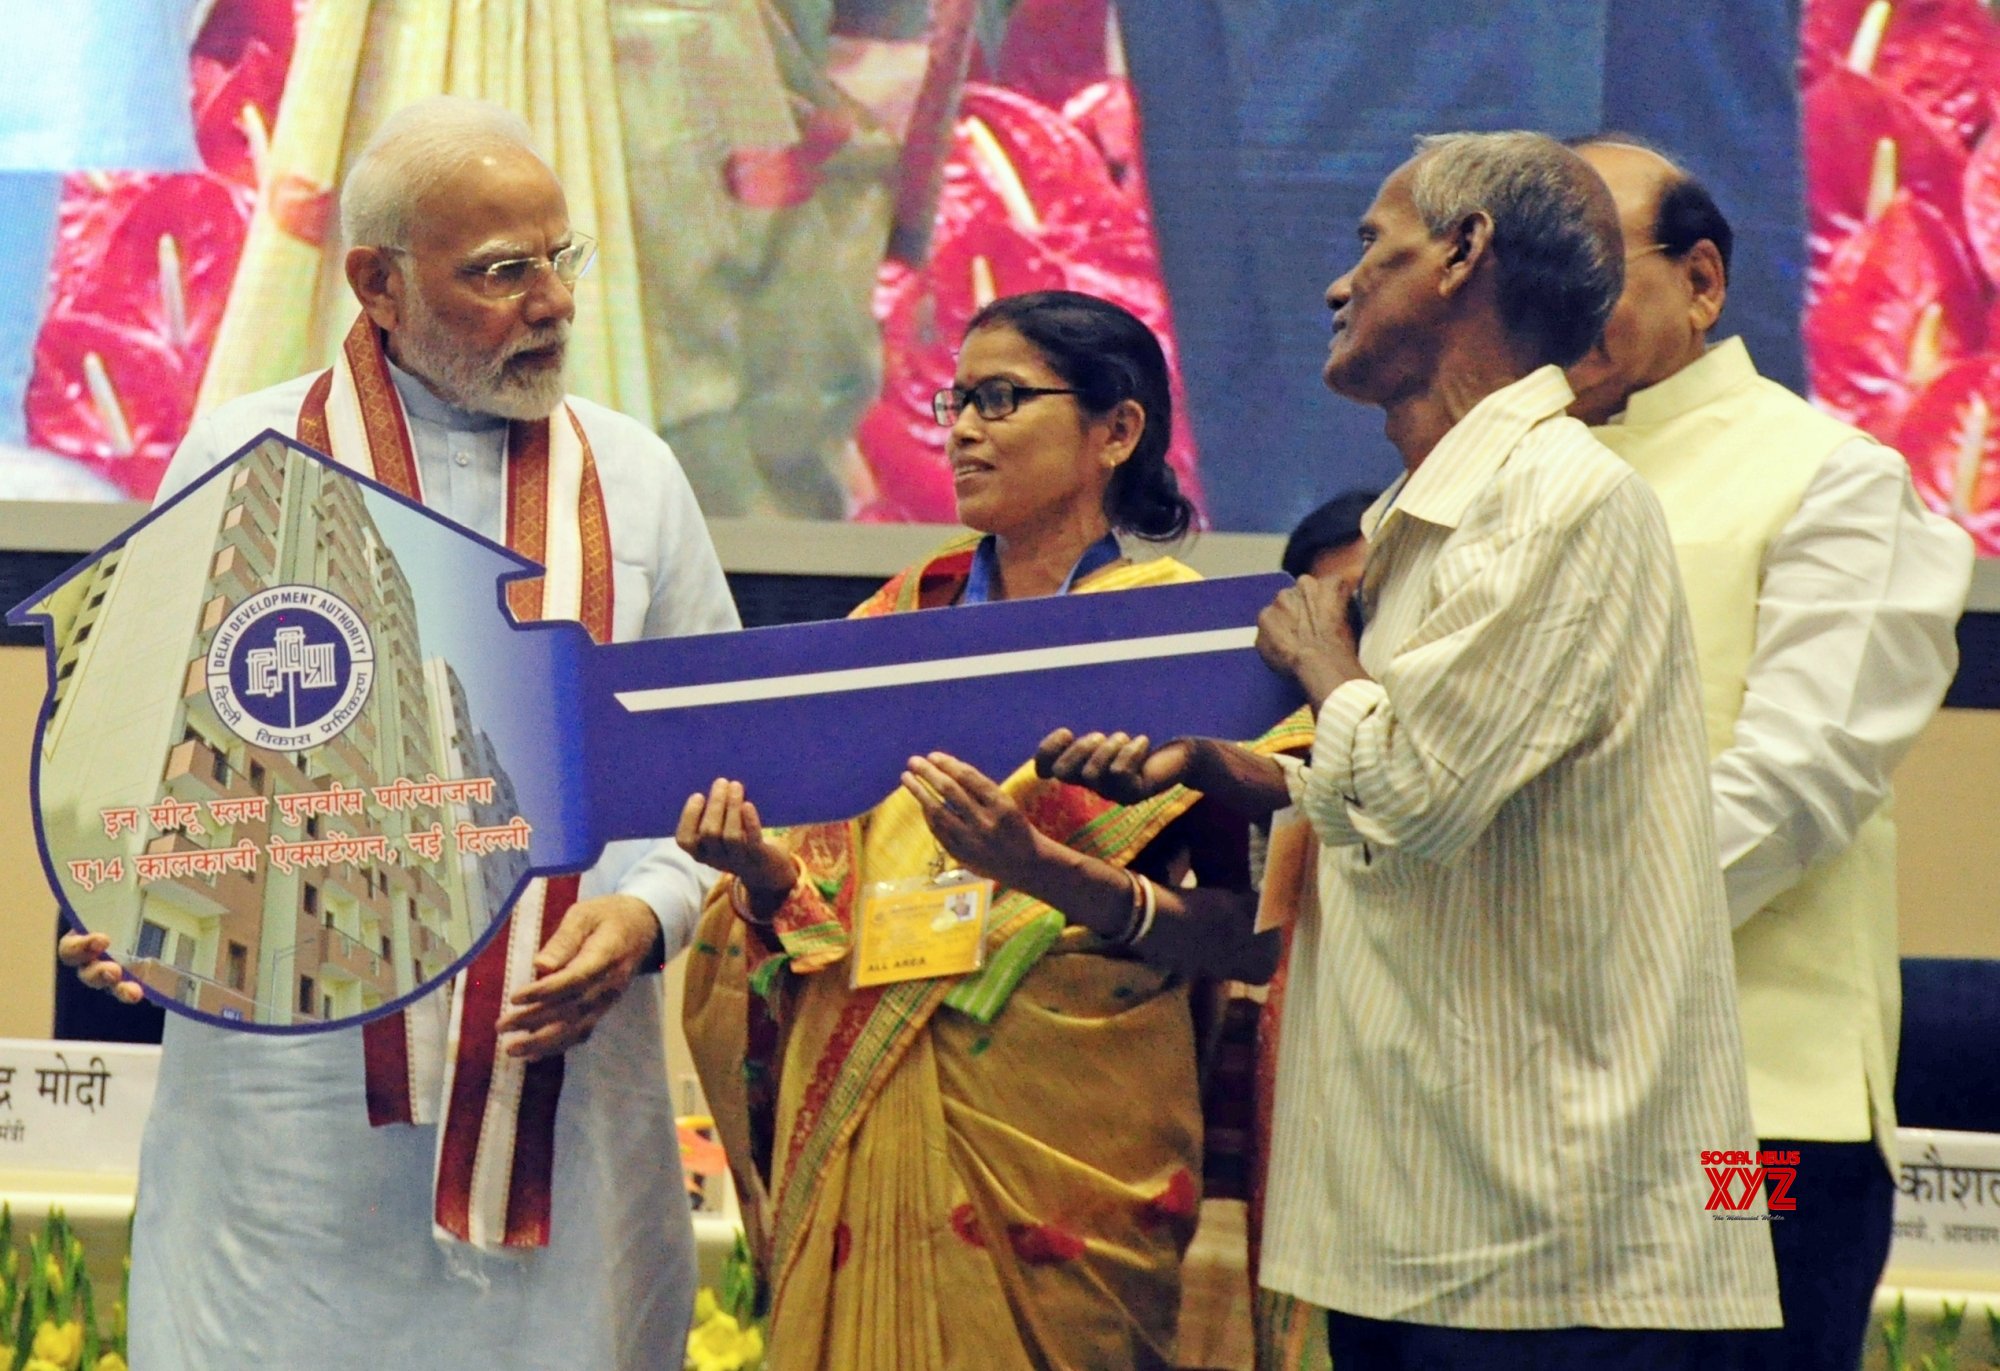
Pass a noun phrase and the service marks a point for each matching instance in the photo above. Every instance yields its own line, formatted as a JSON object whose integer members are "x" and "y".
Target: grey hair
{"x": 1556, "y": 242}
{"x": 415, "y": 148}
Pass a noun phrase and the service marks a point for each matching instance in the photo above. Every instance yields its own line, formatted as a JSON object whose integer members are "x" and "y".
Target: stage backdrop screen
{"x": 799, "y": 205}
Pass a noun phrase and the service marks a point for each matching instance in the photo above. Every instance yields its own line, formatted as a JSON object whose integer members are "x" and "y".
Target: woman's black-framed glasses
{"x": 995, "y": 398}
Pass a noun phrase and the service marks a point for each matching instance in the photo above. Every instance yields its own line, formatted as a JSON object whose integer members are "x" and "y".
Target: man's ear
{"x": 377, "y": 281}
{"x": 1708, "y": 285}
{"x": 1468, "y": 244}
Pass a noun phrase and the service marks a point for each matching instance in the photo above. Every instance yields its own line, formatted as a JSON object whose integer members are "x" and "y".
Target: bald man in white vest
{"x": 1824, "y": 598}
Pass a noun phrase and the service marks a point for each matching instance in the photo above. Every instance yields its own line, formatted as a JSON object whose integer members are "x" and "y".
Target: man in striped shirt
{"x": 1510, "y": 1033}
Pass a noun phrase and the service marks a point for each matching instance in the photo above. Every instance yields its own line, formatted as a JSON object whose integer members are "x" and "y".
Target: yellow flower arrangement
{"x": 726, "y": 1335}
{"x": 58, "y": 1345}
{"x": 48, "y": 1311}
{"x": 717, "y": 1342}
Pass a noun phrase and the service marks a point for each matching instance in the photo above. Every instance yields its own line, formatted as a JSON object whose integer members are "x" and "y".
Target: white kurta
{"x": 275, "y": 1227}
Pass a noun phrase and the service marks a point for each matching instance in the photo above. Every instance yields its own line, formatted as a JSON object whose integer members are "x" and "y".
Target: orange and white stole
{"x": 438, "y": 1061}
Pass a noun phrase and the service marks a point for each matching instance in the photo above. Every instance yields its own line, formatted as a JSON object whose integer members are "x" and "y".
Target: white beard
{"x": 483, "y": 384}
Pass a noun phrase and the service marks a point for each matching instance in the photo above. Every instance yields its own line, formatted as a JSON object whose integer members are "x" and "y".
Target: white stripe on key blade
{"x": 937, "y": 669}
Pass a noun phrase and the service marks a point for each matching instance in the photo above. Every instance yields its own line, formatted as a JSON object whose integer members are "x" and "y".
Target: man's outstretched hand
{"x": 1122, "y": 769}
{"x": 87, "y": 953}
{"x": 581, "y": 971}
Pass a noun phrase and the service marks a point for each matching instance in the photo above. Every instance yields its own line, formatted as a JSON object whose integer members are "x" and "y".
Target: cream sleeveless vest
{"x": 1819, "y": 983}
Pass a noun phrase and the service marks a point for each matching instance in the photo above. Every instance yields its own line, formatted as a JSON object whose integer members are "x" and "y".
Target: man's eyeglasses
{"x": 1636, "y": 253}
{"x": 995, "y": 398}
{"x": 516, "y": 276}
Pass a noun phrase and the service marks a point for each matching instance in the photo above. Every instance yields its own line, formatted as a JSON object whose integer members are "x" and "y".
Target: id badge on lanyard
{"x": 921, "y": 927}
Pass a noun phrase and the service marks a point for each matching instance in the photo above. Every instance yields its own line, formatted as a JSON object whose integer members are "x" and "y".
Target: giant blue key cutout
{"x": 296, "y": 755}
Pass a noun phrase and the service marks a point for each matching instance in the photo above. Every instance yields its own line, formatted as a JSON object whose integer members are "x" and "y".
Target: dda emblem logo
{"x": 290, "y": 668}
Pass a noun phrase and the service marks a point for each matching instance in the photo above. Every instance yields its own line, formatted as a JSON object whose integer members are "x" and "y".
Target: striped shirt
{"x": 1510, "y": 1031}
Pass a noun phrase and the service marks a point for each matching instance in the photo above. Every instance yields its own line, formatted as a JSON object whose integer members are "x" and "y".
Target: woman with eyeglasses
{"x": 999, "y": 1169}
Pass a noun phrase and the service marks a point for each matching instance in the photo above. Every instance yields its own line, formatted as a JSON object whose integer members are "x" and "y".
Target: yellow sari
{"x": 992, "y": 1172}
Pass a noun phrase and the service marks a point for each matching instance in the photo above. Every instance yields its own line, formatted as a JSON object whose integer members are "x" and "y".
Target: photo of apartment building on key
{"x": 256, "y": 941}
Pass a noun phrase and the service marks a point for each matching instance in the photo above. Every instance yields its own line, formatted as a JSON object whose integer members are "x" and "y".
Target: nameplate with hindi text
{"x": 1947, "y": 1202}
{"x": 74, "y": 1106}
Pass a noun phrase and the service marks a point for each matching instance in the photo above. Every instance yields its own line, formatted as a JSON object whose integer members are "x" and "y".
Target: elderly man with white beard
{"x": 296, "y": 1208}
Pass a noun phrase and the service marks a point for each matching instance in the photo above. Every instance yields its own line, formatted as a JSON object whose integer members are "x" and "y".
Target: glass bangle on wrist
{"x": 739, "y": 894}
{"x": 1145, "y": 905}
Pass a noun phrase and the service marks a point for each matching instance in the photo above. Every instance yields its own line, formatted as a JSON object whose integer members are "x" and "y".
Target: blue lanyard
{"x": 985, "y": 576}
